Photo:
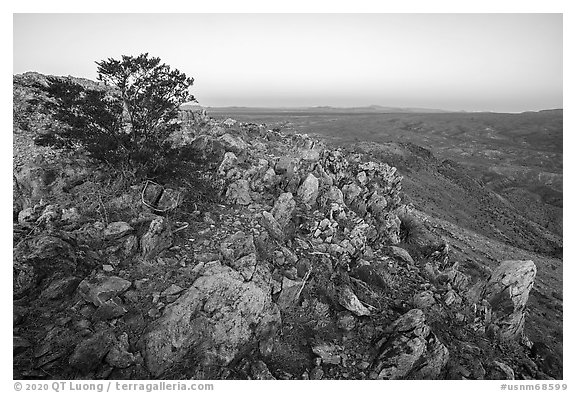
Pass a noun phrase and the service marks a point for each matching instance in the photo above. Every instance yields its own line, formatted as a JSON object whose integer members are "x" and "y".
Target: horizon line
{"x": 373, "y": 108}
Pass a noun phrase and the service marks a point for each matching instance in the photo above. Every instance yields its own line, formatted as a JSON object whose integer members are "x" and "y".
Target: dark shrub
{"x": 411, "y": 229}
{"x": 126, "y": 122}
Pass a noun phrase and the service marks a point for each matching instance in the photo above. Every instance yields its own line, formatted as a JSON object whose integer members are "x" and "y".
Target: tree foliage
{"x": 151, "y": 93}
{"x": 127, "y": 121}
{"x": 91, "y": 118}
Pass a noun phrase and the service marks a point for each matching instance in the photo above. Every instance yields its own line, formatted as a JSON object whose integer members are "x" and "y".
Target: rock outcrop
{"x": 157, "y": 239}
{"x": 101, "y": 288}
{"x": 89, "y": 353}
{"x": 409, "y": 349}
{"x": 308, "y": 191}
{"x": 507, "y": 292}
{"x": 215, "y": 319}
{"x": 284, "y": 208}
{"x": 239, "y": 192}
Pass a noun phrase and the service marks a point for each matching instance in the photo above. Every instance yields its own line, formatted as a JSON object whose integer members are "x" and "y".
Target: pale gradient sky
{"x": 494, "y": 62}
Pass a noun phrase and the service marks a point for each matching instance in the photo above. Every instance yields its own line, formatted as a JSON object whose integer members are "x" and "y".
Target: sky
{"x": 473, "y": 62}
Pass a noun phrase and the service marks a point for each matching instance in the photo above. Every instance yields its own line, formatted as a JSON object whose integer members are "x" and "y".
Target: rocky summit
{"x": 284, "y": 258}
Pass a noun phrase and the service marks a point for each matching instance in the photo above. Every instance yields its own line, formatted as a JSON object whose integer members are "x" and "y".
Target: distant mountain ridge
{"x": 330, "y": 109}
{"x": 359, "y": 109}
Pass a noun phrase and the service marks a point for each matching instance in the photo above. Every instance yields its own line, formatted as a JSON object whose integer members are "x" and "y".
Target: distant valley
{"x": 516, "y": 158}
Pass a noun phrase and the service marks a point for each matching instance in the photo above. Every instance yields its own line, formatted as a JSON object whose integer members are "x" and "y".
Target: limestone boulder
{"x": 117, "y": 230}
{"x": 507, "y": 291}
{"x": 308, "y": 190}
{"x": 218, "y": 317}
{"x": 401, "y": 254}
{"x": 272, "y": 226}
{"x": 239, "y": 192}
{"x": 207, "y": 148}
{"x": 409, "y": 350}
{"x": 283, "y": 208}
{"x": 101, "y": 288}
{"x": 233, "y": 143}
{"x": 157, "y": 239}
{"x": 227, "y": 163}
{"x": 348, "y": 299}
{"x": 89, "y": 353}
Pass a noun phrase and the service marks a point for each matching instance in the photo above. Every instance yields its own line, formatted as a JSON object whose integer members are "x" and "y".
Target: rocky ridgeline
{"x": 306, "y": 232}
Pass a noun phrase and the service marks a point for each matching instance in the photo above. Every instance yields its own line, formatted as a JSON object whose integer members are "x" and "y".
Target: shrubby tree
{"x": 128, "y": 122}
{"x": 90, "y": 118}
{"x": 151, "y": 93}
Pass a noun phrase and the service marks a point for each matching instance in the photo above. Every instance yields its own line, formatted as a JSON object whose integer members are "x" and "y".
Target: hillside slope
{"x": 449, "y": 191}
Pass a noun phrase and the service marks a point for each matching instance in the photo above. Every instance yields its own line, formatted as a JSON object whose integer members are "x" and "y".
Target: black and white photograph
{"x": 208, "y": 197}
